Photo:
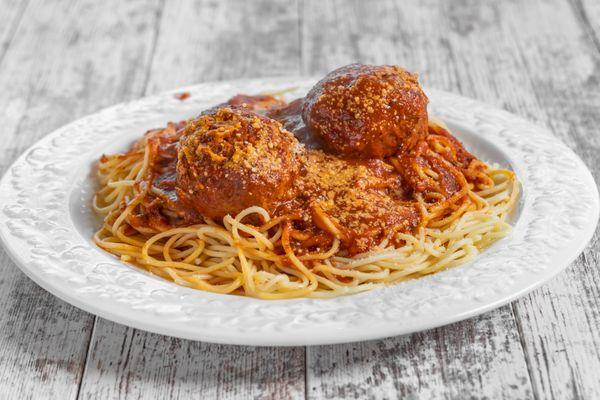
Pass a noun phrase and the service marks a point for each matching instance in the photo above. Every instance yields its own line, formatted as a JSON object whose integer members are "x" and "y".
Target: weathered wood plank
{"x": 209, "y": 40}
{"x": 473, "y": 359}
{"x": 127, "y": 363}
{"x": 64, "y": 60}
{"x": 203, "y": 41}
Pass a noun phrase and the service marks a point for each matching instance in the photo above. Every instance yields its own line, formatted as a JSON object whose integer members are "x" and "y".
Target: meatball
{"x": 232, "y": 159}
{"x": 366, "y": 111}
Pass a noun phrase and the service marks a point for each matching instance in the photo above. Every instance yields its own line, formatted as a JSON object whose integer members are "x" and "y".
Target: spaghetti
{"x": 257, "y": 254}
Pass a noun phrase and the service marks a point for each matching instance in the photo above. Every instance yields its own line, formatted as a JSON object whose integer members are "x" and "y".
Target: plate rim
{"x": 268, "y": 340}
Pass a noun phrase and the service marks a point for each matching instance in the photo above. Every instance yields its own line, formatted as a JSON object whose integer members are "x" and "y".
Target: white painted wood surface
{"x": 540, "y": 59}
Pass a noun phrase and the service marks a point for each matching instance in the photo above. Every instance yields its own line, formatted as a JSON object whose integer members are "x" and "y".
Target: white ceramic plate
{"x": 46, "y": 224}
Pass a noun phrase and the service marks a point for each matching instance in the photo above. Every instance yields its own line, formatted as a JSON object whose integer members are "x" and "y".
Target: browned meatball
{"x": 233, "y": 159}
{"x": 367, "y": 111}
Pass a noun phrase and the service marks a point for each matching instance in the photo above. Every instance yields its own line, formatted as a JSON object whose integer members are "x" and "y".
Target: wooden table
{"x": 539, "y": 59}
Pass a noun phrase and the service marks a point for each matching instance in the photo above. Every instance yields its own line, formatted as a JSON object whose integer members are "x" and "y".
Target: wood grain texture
{"x": 10, "y": 18}
{"x": 208, "y": 40}
{"x": 126, "y": 363}
{"x": 223, "y": 40}
{"x": 479, "y": 358}
{"x": 53, "y": 73}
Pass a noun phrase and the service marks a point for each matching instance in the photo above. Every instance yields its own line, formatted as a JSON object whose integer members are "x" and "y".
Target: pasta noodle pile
{"x": 233, "y": 256}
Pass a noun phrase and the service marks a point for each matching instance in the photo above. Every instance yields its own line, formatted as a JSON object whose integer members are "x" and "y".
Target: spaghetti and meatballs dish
{"x": 349, "y": 188}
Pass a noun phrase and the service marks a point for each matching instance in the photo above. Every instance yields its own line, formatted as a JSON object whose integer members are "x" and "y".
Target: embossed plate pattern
{"x": 46, "y": 225}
